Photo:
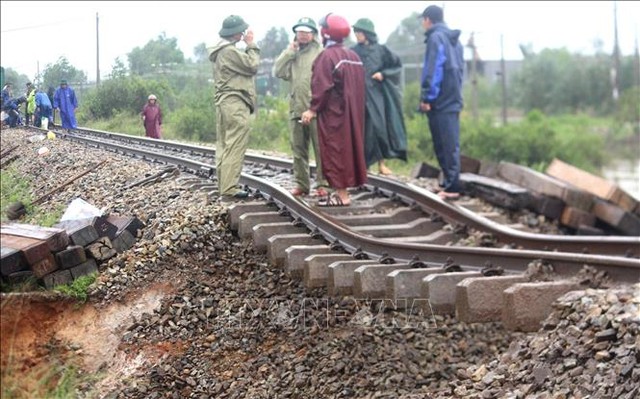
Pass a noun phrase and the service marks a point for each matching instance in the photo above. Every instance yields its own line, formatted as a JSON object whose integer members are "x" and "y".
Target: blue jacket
{"x": 7, "y": 101}
{"x": 65, "y": 100}
{"x": 42, "y": 100}
{"x": 443, "y": 69}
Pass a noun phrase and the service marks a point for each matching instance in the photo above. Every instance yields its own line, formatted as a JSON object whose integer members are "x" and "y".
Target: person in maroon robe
{"x": 152, "y": 118}
{"x": 338, "y": 101}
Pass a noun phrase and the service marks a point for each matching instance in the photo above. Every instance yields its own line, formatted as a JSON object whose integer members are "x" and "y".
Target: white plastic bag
{"x": 80, "y": 209}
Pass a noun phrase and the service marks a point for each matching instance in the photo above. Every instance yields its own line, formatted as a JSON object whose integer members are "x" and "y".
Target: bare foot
{"x": 448, "y": 195}
{"x": 384, "y": 170}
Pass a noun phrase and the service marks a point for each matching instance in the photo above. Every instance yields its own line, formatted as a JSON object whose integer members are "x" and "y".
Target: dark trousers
{"x": 13, "y": 118}
{"x": 445, "y": 133}
{"x": 39, "y": 114}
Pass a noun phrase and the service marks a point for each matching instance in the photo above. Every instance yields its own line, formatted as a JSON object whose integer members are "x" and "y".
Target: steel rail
{"x": 429, "y": 203}
{"x": 618, "y": 268}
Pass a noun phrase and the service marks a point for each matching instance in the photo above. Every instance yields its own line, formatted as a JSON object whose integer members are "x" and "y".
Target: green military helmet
{"x": 364, "y": 24}
{"x": 306, "y": 22}
{"x": 232, "y": 25}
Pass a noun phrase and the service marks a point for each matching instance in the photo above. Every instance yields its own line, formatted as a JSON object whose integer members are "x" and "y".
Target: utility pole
{"x": 503, "y": 77}
{"x": 636, "y": 80}
{"x": 636, "y": 64}
{"x": 474, "y": 77}
{"x": 615, "y": 73}
{"x": 97, "y": 52}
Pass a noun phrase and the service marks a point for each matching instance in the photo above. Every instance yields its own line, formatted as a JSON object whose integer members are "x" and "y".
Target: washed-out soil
{"x": 43, "y": 330}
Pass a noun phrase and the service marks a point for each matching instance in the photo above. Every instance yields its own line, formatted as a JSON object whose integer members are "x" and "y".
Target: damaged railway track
{"x": 405, "y": 216}
{"x": 396, "y": 241}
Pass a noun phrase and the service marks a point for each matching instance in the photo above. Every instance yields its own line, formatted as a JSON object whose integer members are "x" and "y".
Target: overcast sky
{"x": 37, "y": 33}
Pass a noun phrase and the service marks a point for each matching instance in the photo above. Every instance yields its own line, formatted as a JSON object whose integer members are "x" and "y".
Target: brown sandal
{"x": 333, "y": 201}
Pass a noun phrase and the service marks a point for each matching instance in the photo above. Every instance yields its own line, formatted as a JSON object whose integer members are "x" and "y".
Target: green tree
{"x": 62, "y": 69}
{"x": 18, "y": 81}
{"x": 200, "y": 52}
{"x": 157, "y": 56}
{"x": 556, "y": 81}
{"x": 119, "y": 69}
{"x": 407, "y": 40}
{"x": 273, "y": 43}
{"x": 124, "y": 95}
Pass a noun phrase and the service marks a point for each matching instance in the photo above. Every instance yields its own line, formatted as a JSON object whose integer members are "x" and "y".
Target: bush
{"x": 196, "y": 118}
{"x": 535, "y": 141}
{"x": 194, "y": 124}
{"x": 127, "y": 94}
{"x": 270, "y": 128}
{"x": 411, "y": 100}
{"x": 629, "y": 108}
{"x": 79, "y": 288}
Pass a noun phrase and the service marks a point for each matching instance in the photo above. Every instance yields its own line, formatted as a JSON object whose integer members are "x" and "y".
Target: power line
{"x": 38, "y": 26}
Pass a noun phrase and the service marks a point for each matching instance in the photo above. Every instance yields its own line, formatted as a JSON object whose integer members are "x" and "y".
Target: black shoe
{"x": 241, "y": 194}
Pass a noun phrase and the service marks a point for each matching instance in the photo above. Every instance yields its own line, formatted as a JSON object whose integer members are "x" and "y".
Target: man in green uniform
{"x": 235, "y": 98}
{"x": 294, "y": 65}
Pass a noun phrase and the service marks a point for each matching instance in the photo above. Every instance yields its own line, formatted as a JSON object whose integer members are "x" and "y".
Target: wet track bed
{"x": 197, "y": 312}
{"x": 396, "y": 241}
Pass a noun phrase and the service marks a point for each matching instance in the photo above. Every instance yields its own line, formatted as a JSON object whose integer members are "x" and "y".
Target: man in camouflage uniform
{"x": 294, "y": 65}
{"x": 235, "y": 98}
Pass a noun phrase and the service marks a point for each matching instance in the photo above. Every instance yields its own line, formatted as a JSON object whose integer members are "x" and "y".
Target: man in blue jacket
{"x": 441, "y": 95}
{"x": 65, "y": 100}
{"x": 10, "y": 105}
{"x": 43, "y": 109}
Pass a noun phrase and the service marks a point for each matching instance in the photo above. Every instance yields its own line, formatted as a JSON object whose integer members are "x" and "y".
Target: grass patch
{"x": 78, "y": 289}
{"x": 123, "y": 123}
{"x": 14, "y": 188}
{"x": 131, "y": 124}
{"x": 29, "y": 284}
{"x": 58, "y": 377}
{"x": 47, "y": 218}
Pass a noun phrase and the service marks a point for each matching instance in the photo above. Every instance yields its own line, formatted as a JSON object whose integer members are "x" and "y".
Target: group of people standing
{"x": 344, "y": 102}
{"x": 337, "y": 106}
{"x": 39, "y": 106}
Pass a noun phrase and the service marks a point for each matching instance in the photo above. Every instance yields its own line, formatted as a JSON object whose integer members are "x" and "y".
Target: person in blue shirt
{"x": 9, "y": 105}
{"x": 441, "y": 95}
{"x": 7, "y": 94}
{"x": 43, "y": 108}
{"x": 64, "y": 99}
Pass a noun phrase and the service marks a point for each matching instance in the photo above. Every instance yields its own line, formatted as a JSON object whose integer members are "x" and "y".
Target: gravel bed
{"x": 233, "y": 326}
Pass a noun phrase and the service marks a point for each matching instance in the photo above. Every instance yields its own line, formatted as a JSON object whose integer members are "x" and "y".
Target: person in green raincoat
{"x": 235, "y": 100}
{"x": 385, "y": 135}
{"x": 31, "y": 103}
{"x": 294, "y": 65}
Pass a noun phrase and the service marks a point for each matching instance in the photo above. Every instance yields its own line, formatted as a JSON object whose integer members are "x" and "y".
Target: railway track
{"x": 396, "y": 241}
